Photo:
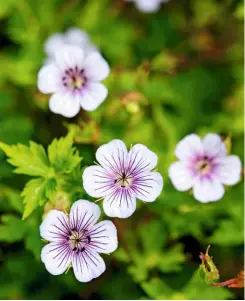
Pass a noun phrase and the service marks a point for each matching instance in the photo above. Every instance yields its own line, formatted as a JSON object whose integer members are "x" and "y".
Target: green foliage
{"x": 173, "y": 72}
{"x": 50, "y": 168}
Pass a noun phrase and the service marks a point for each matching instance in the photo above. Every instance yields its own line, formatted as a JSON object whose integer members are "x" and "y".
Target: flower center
{"x": 124, "y": 180}
{"x": 78, "y": 240}
{"x": 74, "y": 79}
{"x": 203, "y": 166}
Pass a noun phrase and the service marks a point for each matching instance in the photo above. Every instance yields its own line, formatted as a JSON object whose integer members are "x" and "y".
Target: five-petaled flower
{"x": 76, "y": 240}
{"x": 73, "y": 36}
{"x": 122, "y": 177}
{"x": 205, "y": 167}
{"x": 148, "y": 6}
{"x": 74, "y": 79}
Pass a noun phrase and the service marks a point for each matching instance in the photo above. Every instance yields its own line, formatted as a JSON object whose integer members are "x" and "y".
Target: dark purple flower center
{"x": 123, "y": 180}
{"x": 74, "y": 79}
{"x": 78, "y": 240}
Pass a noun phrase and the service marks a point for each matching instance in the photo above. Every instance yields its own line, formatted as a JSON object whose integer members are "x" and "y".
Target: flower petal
{"x": 56, "y": 257}
{"x": 97, "y": 181}
{"x": 207, "y": 190}
{"x": 93, "y": 95}
{"x": 96, "y": 67}
{"x": 64, "y": 104}
{"x": 48, "y": 79}
{"x": 180, "y": 176}
{"x": 121, "y": 203}
{"x": 53, "y": 43}
{"x": 148, "y": 6}
{"x": 229, "y": 170}
{"x": 76, "y": 36}
{"x": 69, "y": 56}
{"x": 213, "y": 145}
{"x": 188, "y": 147}
{"x": 83, "y": 215}
{"x": 140, "y": 159}
{"x": 148, "y": 186}
{"x": 112, "y": 156}
{"x": 87, "y": 265}
{"x": 55, "y": 226}
{"x": 103, "y": 237}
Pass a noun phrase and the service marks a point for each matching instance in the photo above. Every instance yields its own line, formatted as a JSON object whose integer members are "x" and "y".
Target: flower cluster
{"x": 72, "y": 74}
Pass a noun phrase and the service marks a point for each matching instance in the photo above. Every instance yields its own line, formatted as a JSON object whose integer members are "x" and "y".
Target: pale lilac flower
{"x": 76, "y": 240}
{"x": 73, "y": 36}
{"x": 148, "y": 6}
{"x": 204, "y": 166}
{"x": 74, "y": 80}
{"x": 122, "y": 177}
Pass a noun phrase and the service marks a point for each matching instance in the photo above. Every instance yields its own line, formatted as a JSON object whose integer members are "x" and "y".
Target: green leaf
{"x": 12, "y": 228}
{"x": 30, "y": 160}
{"x": 62, "y": 156}
{"x": 34, "y": 193}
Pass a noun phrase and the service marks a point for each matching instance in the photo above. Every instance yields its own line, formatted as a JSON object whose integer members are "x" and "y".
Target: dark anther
{"x": 89, "y": 239}
{"x": 83, "y": 249}
{"x": 115, "y": 181}
{"x": 123, "y": 186}
{"x": 75, "y": 249}
{"x": 73, "y": 229}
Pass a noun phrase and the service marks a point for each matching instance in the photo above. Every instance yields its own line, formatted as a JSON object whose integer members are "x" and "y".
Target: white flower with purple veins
{"x": 73, "y": 36}
{"x": 148, "y": 6}
{"x": 76, "y": 240}
{"x": 204, "y": 166}
{"x": 122, "y": 177}
{"x": 74, "y": 80}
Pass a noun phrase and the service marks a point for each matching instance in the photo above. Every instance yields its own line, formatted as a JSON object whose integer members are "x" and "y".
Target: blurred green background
{"x": 173, "y": 72}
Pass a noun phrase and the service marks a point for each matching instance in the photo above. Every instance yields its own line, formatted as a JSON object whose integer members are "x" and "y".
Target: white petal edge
{"x": 149, "y": 186}
{"x": 54, "y": 43}
{"x": 188, "y": 147}
{"x": 76, "y": 36}
{"x": 48, "y": 79}
{"x": 56, "y": 257}
{"x": 103, "y": 237}
{"x": 207, "y": 190}
{"x": 84, "y": 211}
{"x": 87, "y": 265}
{"x": 112, "y": 155}
{"x": 96, "y": 67}
{"x": 180, "y": 176}
{"x": 64, "y": 104}
{"x": 141, "y": 159}
{"x": 148, "y": 6}
{"x": 119, "y": 205}
{"x": 213, "y": 145}
{"x": 229, "y": 170}
{"x": 93, "y": 95}
{"x": 96, "y": 181}
{"x": 54, "y": 226}
{"x": 69, "y": 56}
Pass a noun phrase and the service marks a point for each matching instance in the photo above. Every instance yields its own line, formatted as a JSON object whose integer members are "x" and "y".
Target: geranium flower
{"x": 73, "y": 36}
{"x": 76, "y": 240}
{"x": 122, "y": 177}
{"x": 74, "y": 79}
{"x": 205, "y": 167}
{"x": 148, "y": 6}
